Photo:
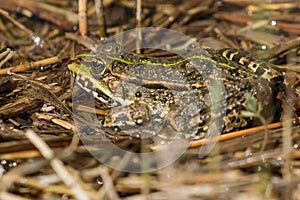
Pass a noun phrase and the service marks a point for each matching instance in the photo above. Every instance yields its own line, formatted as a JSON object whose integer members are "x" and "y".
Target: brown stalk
{"x": 235, "y": 134}
{"x": 30, "y": 66}
{"x": 101, "y": 17}
{"x": 82, "y": 7}
{"x": 54, "y": 14}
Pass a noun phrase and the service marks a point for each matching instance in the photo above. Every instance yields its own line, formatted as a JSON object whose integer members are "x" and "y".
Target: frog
{"x": 178, "y": 95}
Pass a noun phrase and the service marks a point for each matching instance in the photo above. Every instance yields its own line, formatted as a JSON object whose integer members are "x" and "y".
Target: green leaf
{"x": 248, "y": 114}
{"x": 251, "y": 102}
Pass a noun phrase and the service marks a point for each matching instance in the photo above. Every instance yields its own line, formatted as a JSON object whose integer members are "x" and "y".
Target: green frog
{"x": 178, "y": 95}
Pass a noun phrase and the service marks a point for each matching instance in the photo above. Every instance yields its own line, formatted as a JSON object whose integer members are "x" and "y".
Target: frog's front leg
{"x": 126, "y": 117}
{"x": 137, "y": 119}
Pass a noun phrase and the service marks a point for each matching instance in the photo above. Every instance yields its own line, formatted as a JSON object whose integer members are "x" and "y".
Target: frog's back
{"x": 237, "y": 71}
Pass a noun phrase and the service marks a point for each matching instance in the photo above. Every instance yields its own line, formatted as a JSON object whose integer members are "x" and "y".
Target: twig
{"x": 40, "y": 185}
{"x": 9, "y": 196}
{"x": 272, "y": 6}
{"x": 225, "y": 39}
{"x": 58, "y": 166}
{"x": 282, "y": 48}
{"x": 7, "y": 54}
{"x": 108, "y": 184}
{"x": 85, "y": 41}
{"x": 235, "y": 134}
{"x": 20, "y": 155}
{"x": 30, "y": 66}
{"x": 287, "y": 138}
{"x": 88, "y": 109}
{"x": 138, "y": 24}
{"x": 82, "y": 17}
{"x": 36, "y": 39}
{"x": 57, "y": 15}
{"x": 101, "y": 17}
{"x": 266, "y": 135}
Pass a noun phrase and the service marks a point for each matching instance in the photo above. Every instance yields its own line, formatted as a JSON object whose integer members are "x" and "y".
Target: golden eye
{"x": 97, "y": 67}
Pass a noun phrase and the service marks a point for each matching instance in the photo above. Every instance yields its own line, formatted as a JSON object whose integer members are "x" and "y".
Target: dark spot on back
{"x": 260, "y": 71}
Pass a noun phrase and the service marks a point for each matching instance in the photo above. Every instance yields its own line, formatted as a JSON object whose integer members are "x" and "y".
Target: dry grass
{"x": 40, "y": 155}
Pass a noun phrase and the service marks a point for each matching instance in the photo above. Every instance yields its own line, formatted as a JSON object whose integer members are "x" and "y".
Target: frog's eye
{"x": 97, "y": 67}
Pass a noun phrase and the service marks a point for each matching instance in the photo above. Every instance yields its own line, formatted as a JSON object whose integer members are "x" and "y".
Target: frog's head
{"x": 91, "y": 63}
{"x": 83, "y": 69}
{"x": 100, "y": 59}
